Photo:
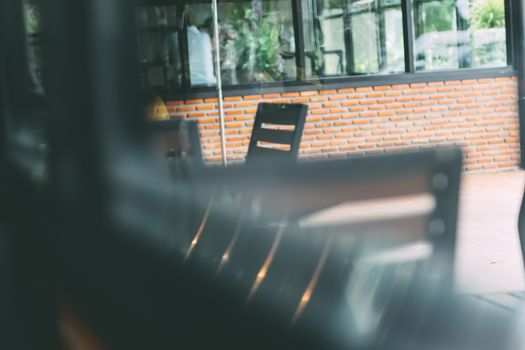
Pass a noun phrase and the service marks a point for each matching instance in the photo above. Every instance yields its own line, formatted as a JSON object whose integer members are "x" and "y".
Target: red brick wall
{"x": 479, "y": 115}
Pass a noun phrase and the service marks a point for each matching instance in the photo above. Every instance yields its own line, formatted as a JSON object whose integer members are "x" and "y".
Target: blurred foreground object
{"x": 239, "y": 257}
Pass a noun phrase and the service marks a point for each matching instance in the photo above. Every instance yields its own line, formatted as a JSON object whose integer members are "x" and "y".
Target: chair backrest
{"x": 277, "y": 131}
{"x": 177, "y": 141}
{"x": 386, "y": 228}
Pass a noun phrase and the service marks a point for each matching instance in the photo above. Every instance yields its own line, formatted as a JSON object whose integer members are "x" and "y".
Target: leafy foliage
{"x": 487, "y": 22}
{"x": 256, "y": 38}
{"x": 485, "y": 14}
{"x": 437, "y": 16}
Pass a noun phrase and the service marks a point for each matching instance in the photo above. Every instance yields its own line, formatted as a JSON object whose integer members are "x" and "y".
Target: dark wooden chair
{"x": 277, "y": 132}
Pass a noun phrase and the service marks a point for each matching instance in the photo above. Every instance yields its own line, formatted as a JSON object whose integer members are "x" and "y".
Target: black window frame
{"x": 301, "y": 83}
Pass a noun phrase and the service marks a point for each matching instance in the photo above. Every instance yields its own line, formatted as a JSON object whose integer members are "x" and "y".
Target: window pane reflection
{"x": 353, "y": 37}
{"x": 160, "y": 67}
{"x": 459, "y": 34}
{"x": 256, "y": 41}
{"x": 487, "y": 33}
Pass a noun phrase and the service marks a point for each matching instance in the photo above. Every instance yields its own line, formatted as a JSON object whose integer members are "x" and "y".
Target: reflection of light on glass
{"x": 200, "y": 230}
{"x": 378, "y": 277}
{"x": 415, "y": 251}
{"x": 371, "y": 210}
{"x": 361, "y": 294}
{"x": 307, "y": 295}
{"x": 264, "y": 269}
{"x": 226, "y": 256}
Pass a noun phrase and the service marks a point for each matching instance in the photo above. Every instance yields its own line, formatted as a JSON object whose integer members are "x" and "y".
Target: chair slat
{"x": 270, "y": 153}
{"x": 281, "y": 114}
{"x": 284, "y": 137}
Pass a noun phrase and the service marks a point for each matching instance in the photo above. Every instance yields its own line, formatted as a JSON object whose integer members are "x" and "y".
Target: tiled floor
{"x": 488, "y": 252}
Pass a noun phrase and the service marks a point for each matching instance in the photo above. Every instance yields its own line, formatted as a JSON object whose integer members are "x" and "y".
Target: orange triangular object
{"x": 158, "y": 110}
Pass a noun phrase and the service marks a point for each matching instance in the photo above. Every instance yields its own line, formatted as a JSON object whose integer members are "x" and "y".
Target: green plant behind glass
{"x": 487, "y": 14}
{"x": 437, "y": 16}
{"x": 257, "y": 42}
{"x": 487, "y": 21}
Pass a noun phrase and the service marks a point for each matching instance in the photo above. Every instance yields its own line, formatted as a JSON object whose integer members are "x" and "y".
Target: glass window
{"x": 346, "y": 37}
{"x": 200, "y": 49}
{"x": 487, "y": 33}
{"x": 435, "y": 26}
{"x": 256, "y": 41}
{"x": 175, "y": 45}
{"x": 394, "y": 42}
{"x": 160, "y": 66}
{"x": 459, "y": 34}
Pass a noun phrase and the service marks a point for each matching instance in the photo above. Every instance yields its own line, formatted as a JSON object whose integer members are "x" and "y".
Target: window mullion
{"x": 463, "y": 46}
{"x": 349, "y": 41}
{"x": 408, "y": 35}
{"x": 300, "y": 61}
{"x": 183, "y": 48}
{"x": 510, "y": 31}
{"x": 381, "y": 27}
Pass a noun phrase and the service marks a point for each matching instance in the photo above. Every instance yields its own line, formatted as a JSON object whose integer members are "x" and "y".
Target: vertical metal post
{"x": 215, "y": 11}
